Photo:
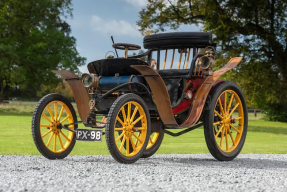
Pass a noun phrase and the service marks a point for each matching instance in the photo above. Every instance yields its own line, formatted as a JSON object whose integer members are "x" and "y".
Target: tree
{"x": 35, "y": 39}
{"x": 253, "y": 29}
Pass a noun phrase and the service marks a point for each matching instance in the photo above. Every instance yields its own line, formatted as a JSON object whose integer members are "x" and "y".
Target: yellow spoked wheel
{"x": 51, "y": 140}
{"x": 225, "y": 123}
{"x": 154, "y": 143}
{"x": 226, "y": 131}
{"x": 127, "y": 128}
{"x": 152, "y": 140}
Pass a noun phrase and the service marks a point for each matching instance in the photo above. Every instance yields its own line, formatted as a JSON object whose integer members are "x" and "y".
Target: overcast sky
{"x": 94, "y": 21}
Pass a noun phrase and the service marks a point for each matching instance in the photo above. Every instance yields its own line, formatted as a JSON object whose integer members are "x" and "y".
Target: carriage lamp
{"x": 89, "y": 80}
{"x": 207, "y": 62}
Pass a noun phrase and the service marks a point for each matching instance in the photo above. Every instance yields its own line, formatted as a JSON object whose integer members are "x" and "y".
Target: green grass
{"x": 16, "y": 138}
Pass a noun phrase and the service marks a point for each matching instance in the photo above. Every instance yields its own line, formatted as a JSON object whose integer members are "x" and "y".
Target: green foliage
{"x": 253, "y": 29}
{"x": 35, "y": 39}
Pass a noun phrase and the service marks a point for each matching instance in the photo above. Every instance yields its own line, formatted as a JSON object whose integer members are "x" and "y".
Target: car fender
{"x": 79, "y": 91}
{"x": 162, "y": 99}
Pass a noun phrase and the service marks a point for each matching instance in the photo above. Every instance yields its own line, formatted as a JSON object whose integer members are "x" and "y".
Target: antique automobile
{"x": 134, "y": 105}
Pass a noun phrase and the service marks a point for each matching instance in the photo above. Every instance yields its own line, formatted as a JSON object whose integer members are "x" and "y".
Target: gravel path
{"x": 159, "y": 173}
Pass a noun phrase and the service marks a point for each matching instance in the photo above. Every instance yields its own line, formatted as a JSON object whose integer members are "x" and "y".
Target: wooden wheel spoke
{"x": 233, "y": 141}
{"x": 65, "y": 136}
{"x": 233, "y": 109}
{"x": 222, "y": 134}
{"x": 65, "y": 119}
{"x": 121, "y": 135}
{"x": 217, "y": 123}
{"x": 45, "y": 126}
{"x": 218, "y": 114}
{"x": 220, "y": 106}
{"x": 226, "y": 138}
{"x": 230, "y": 102}
{"x": 141, "y": 128}
{"x": 56, "y": 109}
{"x": 55, "y": 142}
{"x": 122, "y": 144}
{"x": 43, "y": 115}
{"x": 137, "y": 138}
{"x": 50, "y": 111}
{"x": 61, "y": 113}
{"x": 128, "y": 146}
{"x": 49, "y": 141}
{"x": 235, "y": 129}
{"x": 124, "y": 114}
{"x": 60, "y": 140}
{"x": 129, "y": 112}
{"x": 134, "y": 113}
{"x": 220, "y": 129}
{"x": 133, "y": 123}
{"x": 119, "y": 129}
{"x": 237, "y": 118}
{"x": 133, "y": 145}
{"x": 46, "y": 133}
{"x": 121, "y": 122}
{"x": 225, "y": 101}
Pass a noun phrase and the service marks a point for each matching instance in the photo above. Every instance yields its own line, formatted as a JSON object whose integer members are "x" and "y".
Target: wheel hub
{"x": 129, "y": 129}
{"x": 56, "y": 126}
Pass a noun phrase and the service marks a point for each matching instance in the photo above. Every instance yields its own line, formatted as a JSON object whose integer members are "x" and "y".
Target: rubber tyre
{"x": 149, "y": 152}
{"x": 36, "y": 129}
{"x": 215, "y": 151}
{"x": 119, "y": 102}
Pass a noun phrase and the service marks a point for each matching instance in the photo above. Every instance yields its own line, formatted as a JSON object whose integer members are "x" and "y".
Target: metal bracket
{"x": 182, "y": 132}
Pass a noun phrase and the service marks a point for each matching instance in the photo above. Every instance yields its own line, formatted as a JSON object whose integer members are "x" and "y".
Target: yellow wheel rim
{"x": 228, "y": 123}
{"x": 130, "y": 129}
{"x": 152, "y": 139}
{"x": 55, "y": 113}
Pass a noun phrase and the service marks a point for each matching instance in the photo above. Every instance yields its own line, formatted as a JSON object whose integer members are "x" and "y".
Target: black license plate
{"x": 89, "y": 135}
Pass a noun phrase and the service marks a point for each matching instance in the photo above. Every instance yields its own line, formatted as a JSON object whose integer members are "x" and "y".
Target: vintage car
{"x": 134, "y": 104}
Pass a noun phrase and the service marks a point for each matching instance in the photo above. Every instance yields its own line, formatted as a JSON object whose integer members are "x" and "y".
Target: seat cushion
{"x": 178, "y": 40}
{"x": 173, "y": 72}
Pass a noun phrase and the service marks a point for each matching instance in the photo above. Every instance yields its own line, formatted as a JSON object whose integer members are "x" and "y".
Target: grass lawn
{"x": 16, "y": 138}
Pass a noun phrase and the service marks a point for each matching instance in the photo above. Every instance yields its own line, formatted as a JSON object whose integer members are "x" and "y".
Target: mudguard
{"x": 80, "y": 92}
{"x": 162, "y": 99}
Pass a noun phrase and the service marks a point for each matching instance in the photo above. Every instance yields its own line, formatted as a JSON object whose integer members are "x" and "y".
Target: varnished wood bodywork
{"x": 80, "y": 93}
{"x": 162, "y": 99}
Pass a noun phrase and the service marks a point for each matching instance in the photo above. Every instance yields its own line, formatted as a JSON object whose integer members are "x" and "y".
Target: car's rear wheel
{"x": 52, "y": 141}
{"x": 128, "y": 128}
{"x": 226, "y": 121}
{"x": 154, "y": 143}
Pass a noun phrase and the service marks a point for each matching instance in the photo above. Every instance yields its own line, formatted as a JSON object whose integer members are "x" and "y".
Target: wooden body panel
{"x": 80, "y": 93}
{"x": 162, "y": 99}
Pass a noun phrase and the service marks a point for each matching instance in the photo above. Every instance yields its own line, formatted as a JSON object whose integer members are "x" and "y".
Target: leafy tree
{"x": 253, "y": 29}
{"x": 35, "y": 39}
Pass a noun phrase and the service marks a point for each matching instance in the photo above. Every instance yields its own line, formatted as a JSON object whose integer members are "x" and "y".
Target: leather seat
{"x": 173, "y": 72}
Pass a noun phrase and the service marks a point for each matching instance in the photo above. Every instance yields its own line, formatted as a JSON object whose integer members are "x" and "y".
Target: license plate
{"x": 89, "y": 135}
